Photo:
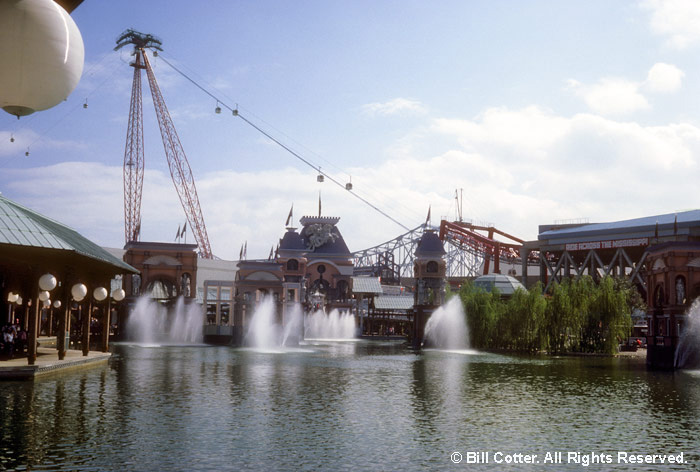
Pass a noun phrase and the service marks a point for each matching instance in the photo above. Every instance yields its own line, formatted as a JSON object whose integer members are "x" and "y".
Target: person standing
{"x": 9, "y": 337}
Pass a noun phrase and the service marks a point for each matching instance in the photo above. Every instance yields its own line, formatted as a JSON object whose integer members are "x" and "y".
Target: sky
{"x": 534, "y": 111}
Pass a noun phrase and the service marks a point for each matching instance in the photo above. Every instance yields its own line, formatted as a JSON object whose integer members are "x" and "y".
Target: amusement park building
{"x": 660, "y": 254}
{"x": 311, "y": 267}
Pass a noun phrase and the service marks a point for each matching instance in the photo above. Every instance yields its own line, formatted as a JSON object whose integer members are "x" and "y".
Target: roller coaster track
{"x": 469, "y": 252}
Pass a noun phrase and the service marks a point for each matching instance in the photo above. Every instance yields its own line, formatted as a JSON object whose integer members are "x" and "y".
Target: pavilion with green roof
{"x": 32, "y": 245}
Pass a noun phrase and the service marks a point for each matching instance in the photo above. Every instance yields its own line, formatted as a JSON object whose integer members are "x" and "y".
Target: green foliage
{"x": 482, "y": 307}
{"x": 575, "y": 316}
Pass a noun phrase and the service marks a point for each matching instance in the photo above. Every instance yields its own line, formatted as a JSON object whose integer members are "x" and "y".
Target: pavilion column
{"x": 106, "y": 320}
{"x": 49, "y": 320}
{"x": 61, "y": 333}
{"x": 33, "y": 331}
{"x": 86, "y": 329}
{"x": 63, "y": 322}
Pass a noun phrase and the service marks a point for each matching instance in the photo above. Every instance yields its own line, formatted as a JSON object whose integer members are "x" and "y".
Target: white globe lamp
{"x": 119, "y": 294}
{"x": 100, "y": 293}
{"x": 44, "y": 295}
{"x": 47, "y": 303}
{"x": 41, "y": 52}
{"x": 78, "y": 291}
{"x": 47, "y": 282}
{"x": 12, "y": 297}
{"x": 57, "y": 304}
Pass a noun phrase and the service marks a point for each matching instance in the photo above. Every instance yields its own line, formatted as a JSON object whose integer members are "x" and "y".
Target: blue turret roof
{"x": 430, "y": 245}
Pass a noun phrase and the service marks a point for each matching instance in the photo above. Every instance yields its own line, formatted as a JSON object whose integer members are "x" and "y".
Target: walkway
{"x": 47, "y": 362}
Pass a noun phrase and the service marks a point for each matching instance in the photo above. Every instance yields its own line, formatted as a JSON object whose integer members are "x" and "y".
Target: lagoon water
{"x": 344, "y": 406}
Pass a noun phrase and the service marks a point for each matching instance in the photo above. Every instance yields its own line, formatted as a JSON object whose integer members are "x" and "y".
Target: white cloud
{"x": 397, "y": 106}
{"x": 678, "y": 20}
{"x": 27, "y": 140}
{"x": 611, "y": 96}
{"x": 519, "y": 168}
{"x": 664, "y": 78}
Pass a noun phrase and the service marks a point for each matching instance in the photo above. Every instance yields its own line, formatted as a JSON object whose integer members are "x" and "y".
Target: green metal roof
{"x": 366, "y": 285}
{"x": 20, "y": 226}
{"x": 394, "y": 303}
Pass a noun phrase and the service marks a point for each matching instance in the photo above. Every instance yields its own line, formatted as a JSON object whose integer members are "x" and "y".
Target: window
{"x": 211, "y": 313}
{"x": 225, "y": 311}
{"x": 680, "y": 290}
{"x": 342, "y": 290}
{"x": 136, "y": 284}
{"x": 186, "y": 285}
{"x": 431, "y": 267}
{"x": 212, "y": 293}
{"x": 292, "y": 264}
{"x": 225, "y": 293}
{"x": 659, "y": 298}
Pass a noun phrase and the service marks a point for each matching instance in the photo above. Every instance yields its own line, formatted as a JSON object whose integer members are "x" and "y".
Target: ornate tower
{"x": 292, "y": 256}
{"x": 429, "y": 271}
{"x": 330, "y": 266}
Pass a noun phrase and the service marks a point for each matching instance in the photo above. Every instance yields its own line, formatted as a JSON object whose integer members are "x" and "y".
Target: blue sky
{"x": 538, "y": 110}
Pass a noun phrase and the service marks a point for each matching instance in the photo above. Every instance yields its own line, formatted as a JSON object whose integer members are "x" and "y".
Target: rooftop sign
{"x": 613, "y": 244}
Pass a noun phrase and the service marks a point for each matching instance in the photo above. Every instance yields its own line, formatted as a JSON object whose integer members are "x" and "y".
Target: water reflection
{"x": 339, "y": 406}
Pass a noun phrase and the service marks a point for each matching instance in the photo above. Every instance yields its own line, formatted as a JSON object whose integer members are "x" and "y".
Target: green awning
{"x": 21, "y": 227}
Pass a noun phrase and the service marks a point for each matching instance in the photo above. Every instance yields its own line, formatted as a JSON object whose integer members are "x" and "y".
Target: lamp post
{"x": 12, "y": 298}
{"x": 46, "y": 283}
{"x": 76, "y": 294}
{"x": 117, "y": 295}
{"x": 98, "y": 295}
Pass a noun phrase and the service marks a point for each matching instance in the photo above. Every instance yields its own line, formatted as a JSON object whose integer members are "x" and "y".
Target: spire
{"x": 289, "y": 218}
{"x": 675, "y": 224}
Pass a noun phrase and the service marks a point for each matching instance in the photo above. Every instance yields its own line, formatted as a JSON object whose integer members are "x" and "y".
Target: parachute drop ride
{"x": 180, "y": 170}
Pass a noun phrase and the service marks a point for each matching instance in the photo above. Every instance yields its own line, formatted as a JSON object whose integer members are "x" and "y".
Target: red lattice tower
{"x": 180, "y": 170}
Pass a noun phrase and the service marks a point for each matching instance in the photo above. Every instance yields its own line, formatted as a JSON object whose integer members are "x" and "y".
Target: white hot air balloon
{"x": 41, "y": 55}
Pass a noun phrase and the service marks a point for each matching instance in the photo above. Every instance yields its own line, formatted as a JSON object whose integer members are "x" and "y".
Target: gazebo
{"x": 45, "y": 265}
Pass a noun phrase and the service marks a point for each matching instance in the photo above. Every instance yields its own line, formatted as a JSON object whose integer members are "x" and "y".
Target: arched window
{"x": 680, "y": 290}
{"x": 186, "y": 285}
{"x": 292, "y": 264}
{"x": 136, "y": 284}
{"x": 431, "y": 267}
{"x": 342, "y": 287}
{"x": 659, "y": 298}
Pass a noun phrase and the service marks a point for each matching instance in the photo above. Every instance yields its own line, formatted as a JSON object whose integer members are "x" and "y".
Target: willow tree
{"x": 610, "y": 313}
{"x": 557, "y": 314}
{"x": 523, "y": 320}
{"x": 481, "y": 309}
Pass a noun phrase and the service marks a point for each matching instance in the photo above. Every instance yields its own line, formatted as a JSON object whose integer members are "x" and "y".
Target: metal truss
{"x": 565, "y": 265}
{"x": 463, "y": 261}
{"x": 391, "y": 260}
{"x": 134, "y": 158}
{"x": 466, "y": 256}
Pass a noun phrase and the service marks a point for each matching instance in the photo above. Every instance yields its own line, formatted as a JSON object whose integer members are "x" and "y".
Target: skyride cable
{"x": 237, "y": 113}
{"x": 19, "y": 127}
